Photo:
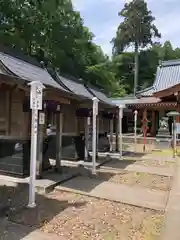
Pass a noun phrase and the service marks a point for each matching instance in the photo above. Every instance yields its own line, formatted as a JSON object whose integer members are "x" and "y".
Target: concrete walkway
{"x": 172, "y": 215}
{"x": 142, "y": 197}
{"x": 84, "y": 163}
{"x": 138, "y": 156}
{"x": 119, "y": 166}
{"x": 12, "y": 231}
{"x": 160, "y": 157}
{"x": 44, "y": 185}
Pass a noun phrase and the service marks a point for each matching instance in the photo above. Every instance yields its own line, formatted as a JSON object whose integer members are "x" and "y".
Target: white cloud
{"x": 104, "y": 21}
{"x": 168, "y": 24}
{"x": 82, "y": 4}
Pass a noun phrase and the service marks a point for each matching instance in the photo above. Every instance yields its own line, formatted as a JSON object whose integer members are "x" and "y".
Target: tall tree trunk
{"x": 136, "y": 68}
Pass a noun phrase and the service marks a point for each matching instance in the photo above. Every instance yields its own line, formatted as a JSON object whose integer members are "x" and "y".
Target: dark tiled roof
{"x": 135, "y": 101}
{"x": 147, "y": 92}
{"x": 124, "y": 101}
{"x": 27, "y": 71}
{"x": 167, "y": 75}
{"x": 146, "y": 100}
{"x": 76, "y": 87}
{"x": 19, "y": 55}
{"x": 101, "y": 96}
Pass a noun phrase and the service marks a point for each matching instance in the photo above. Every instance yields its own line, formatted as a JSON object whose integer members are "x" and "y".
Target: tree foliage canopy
{"x": 137, "y": 27}
{"x": 53, "y": 32}
{"x": 50, "y": 30}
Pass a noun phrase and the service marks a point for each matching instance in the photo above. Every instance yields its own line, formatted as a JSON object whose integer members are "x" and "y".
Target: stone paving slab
{"x": 119, "y": 166}
{"x": 126, "y": 154}
{"x": 137, "y": 156}
{"x": 172, "y": 215}
{"x": 44, "y": 185}
{"x": 84, "y": 163}
{"x": 12, "y": 231}
{"x": 159, "y": 157}
{"x": 142, "y": 197}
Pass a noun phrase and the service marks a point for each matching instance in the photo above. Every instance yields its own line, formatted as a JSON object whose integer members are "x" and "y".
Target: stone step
{"x": 137, "y": 196}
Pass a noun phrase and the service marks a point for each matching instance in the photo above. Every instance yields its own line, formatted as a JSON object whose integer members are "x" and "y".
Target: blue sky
{"x": 101, "y": 16}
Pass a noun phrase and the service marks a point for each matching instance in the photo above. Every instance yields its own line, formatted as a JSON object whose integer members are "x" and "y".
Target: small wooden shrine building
{"x": 64, "y": 100}
{"x": 163, "y": 96}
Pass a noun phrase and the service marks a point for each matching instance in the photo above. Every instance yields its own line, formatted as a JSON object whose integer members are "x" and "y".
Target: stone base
{"x": 163, "y": 133}
{"x": 163, "y": 143}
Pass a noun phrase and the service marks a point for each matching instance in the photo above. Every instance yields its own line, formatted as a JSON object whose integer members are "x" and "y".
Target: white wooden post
{"x": 135, "y": 129}
{"x": 97, "y": 136}
{"x": 87, "y": 124}
{"x": 117, "y": 133}
{"x": 58, "y": 138}
{"x": 94, "y": 137}
{"x": 174, "y": 137}
{"x": 40, "y": 145}
{"x": 121, "y": 107}
{"x": 35, "y": 104}
{"x": 111, "y": 135}
{"x": 120, "y": 132}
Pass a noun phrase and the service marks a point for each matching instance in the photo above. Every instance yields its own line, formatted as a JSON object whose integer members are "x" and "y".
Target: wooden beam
{"x": 168, "y": 92}
{"x": 153, "y": 126}
{"x": 56, "y": 96}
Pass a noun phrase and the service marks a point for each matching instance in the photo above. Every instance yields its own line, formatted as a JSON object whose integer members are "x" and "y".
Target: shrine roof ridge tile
{"x": 167, "y": 75}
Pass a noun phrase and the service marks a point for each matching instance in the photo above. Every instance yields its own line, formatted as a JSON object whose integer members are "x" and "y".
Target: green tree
{"x": 51, "y": 31}
{"x": 137, "y": 29}
{"x": 107, "y": 76}
{"x": 123, "y": 67}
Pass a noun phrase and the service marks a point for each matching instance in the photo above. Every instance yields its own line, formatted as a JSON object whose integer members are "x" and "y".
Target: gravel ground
{"x": 117, "y": 163}
{"x": 156, "y": 163}
{"x": 147, "y": 180}
{"x": 139, "y": 147}
{"x": 153, "y": 161}
{"x": 81, "y": 218}
{"x": 104, "y": 220}
{"x": 85, "y": 218}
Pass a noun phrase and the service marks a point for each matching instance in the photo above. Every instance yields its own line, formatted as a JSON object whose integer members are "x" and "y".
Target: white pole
{"x": 135, "y": 129}
{"x": 97, "y": 136}
{"x": 59, "y": 123}
{"x": 111, "y": 135}
{"x": 94, "y": 137}
{"x": 35, "y": 105}
{"x": 87, "y": 123}
{"x": 33, "y": 158}
{"x": 120, "y": 131}
{"x": 60, "y": 136}
{"x": 174, "y": 138}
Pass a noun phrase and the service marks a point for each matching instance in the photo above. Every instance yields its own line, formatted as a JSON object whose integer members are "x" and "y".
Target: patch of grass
{"x": 152, "y": 226}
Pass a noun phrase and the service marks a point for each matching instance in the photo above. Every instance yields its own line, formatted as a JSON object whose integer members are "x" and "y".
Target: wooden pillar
{"x": 87, "y": 124}
{"x": 97, "y": 137}
{"x": 40, "y": 145}
{"x": 59, "y": 121}
{"x": 178, "y": 110}
{"x": 144, "y": 127}
{"x": 8, "y": 109}
{"x": 153, "y": 127}
{"x": 145, "y": 113}
{"x": 117, "y": 134}
{"x": 111, "y": 134}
